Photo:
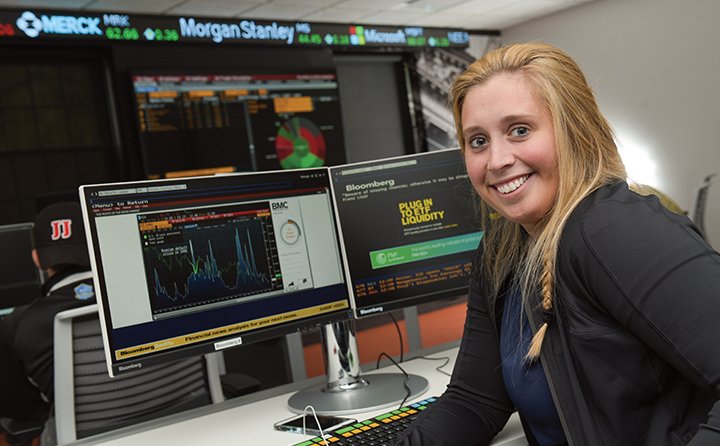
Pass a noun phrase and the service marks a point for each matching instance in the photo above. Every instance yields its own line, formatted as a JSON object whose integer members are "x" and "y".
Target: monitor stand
{"x": 346, "y": 392}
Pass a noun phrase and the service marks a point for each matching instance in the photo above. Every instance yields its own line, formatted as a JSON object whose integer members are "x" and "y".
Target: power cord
{"x": 446, "y": 360}
{"x": 405, "y": 374}
{"x": 402, "y": 354}
{"x": 397, "y": 327}
{"x": 438, "y": 368}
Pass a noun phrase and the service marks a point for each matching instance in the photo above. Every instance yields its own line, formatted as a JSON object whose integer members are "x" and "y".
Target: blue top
{"x": 526, "y": 383}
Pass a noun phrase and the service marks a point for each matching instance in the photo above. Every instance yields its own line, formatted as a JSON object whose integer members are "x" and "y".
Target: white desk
{"x": 244, "y": 421}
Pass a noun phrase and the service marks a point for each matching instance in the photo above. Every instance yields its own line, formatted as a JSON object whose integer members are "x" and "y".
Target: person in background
{"x": 593, "y": 310}
{"x": 26, "y": 335}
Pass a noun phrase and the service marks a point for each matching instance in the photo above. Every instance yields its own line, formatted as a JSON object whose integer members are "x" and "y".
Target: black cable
{"x": 397, "y": 327}
{"x": 377, "y": 366}
{"x": 445, "y": 358}
{"x": 405, "y": 380}
{"x": 399, "y": 332}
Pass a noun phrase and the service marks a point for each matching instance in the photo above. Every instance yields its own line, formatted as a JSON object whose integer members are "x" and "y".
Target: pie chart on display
{"x": 299, "y": 144}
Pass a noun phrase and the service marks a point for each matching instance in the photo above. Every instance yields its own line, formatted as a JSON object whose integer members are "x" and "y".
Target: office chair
{"x": 20, "y": 433}
{"x": 88, "y": 401}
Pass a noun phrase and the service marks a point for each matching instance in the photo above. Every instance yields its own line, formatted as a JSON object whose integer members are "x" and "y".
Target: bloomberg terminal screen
{"x": 195, "y": 265}
{"x": 212, "y": 123}
{"x": 408, "y": 229}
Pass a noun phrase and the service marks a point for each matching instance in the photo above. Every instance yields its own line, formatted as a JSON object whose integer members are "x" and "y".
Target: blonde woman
{"x": 594, "y": 311}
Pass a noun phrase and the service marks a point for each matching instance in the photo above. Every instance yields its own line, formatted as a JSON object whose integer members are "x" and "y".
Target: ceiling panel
{"x": 399, "y": 17}
{"x": 468, "y": 14}
{"x": 216, "y": 8}
{"x": 59, "y": 4}
{"x": 337, "y": 14}
{"x": 522, "y": 11}
{"x": 137, "y": 6}
{"x": 472, "y": 7}
{"x": 441, "y": 19}
{"x": 279, "y": 12}
{"x": 370, "y": 4}
{"x": 311, "y": 4}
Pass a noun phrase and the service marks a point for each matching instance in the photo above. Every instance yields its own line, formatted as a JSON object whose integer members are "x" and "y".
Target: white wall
{"x": 655, "y": 68}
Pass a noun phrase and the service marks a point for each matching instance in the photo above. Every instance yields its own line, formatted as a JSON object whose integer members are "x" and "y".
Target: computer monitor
{"x": 20, "y": 278}
{"x": 408, "y": 232}
{"x": 195, "y": 265}
{"x": 408, "y": 229}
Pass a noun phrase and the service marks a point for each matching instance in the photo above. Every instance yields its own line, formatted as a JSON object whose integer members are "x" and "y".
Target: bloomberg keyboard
{"x": 377, "y": 431}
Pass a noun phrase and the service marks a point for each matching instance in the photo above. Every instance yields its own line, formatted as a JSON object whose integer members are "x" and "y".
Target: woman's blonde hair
{"x": 587, "y": 159}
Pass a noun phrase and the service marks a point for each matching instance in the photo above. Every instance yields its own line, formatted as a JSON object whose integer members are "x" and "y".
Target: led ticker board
{"x": 42, "y": 25}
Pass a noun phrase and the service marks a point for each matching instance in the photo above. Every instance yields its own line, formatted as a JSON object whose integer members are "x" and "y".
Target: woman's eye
{"x": 477, "y": 142}
{"x": 519, "y": 131}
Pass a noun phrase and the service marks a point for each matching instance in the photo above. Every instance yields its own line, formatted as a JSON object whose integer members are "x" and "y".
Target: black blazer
{"x": 632, "y": 353}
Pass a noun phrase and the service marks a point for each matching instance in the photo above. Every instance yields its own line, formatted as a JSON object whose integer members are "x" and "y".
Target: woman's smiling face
{"x": 510, "y": 149}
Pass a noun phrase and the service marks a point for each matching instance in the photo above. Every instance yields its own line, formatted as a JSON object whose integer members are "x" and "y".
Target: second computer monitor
{"x": 408, "y": 229}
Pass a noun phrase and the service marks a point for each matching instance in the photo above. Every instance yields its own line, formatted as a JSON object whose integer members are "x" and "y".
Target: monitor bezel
{"x": 116, "y": 367}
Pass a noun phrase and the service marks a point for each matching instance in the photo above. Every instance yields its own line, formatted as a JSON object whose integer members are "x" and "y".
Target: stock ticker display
{"x": 43, "y": 25}
{"x": 198, "y": 124}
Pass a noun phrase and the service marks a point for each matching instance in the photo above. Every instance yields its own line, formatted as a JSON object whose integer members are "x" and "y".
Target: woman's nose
{"x": 501, "y": 156}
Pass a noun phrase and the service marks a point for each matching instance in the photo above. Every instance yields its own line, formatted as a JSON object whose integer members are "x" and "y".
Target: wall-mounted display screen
{"x": 210, "y": 123}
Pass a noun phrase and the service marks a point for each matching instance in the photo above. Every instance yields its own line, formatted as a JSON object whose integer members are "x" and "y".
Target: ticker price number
{"x": 310, "y": 39}
{"x": 117, "y": 33}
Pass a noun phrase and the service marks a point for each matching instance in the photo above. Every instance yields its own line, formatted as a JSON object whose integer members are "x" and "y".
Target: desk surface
{"x": 239, "y": 419}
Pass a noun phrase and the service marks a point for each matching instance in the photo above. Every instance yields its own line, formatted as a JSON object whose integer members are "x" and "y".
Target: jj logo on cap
{"x": 61, "y": 229}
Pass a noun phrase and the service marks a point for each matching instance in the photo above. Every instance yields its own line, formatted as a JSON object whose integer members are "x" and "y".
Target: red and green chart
{"x": 299, "y": 144}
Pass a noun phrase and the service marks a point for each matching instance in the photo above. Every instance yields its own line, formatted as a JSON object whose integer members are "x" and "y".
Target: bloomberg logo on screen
{"x": 32, "y": 25}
